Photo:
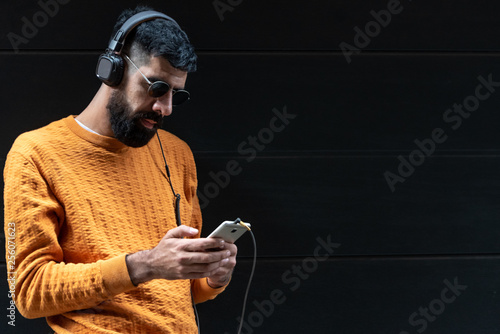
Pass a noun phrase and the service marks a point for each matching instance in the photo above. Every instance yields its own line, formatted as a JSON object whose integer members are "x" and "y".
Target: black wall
{"x": 317, "y": 175}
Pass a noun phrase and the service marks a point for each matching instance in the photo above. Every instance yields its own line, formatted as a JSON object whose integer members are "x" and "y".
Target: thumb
{"x": 182, "y": 232}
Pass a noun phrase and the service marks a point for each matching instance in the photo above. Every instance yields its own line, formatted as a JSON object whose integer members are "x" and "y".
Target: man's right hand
{"x": 177, "y": 258}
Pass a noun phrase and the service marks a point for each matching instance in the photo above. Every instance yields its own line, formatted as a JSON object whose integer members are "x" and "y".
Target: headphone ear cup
{"x": 110, "y": 68}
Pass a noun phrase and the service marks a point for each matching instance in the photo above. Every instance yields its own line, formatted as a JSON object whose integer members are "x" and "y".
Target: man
{"x": 103, "y": 242}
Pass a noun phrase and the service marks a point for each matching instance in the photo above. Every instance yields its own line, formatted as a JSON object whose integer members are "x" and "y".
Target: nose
{"x": 163, "y": 104}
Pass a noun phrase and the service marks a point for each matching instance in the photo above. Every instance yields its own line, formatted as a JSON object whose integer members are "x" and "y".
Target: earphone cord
{"x": 178, "y": 219}
{"x": 177, "y": 196}
{"x": 177, "y": 201}
{"x": 249, "y": 281}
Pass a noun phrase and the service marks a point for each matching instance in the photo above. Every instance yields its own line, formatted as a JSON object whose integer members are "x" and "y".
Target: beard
{"x": 126, "y": 124}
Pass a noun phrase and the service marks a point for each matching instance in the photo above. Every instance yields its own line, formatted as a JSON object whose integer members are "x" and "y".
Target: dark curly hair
{"x": 158, "y": 38}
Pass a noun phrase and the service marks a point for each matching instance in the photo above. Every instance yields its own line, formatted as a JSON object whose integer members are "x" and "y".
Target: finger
{"x": 220, "y": 276}
{"x": 199, "y": 271}
{"x": 231, "y": 247}
{"x": 206, "y": 244}
{"x": 207, "y": 269}
{"x": 197, "y": 275}
{"x": 203, "y": 258}
{"x": 182, "y": 232}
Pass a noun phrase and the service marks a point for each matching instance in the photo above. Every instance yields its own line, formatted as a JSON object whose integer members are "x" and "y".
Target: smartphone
{"x": 229, "y": 231}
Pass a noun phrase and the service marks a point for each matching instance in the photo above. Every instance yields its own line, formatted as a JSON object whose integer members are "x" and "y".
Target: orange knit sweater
{"x": 79, "y": 203}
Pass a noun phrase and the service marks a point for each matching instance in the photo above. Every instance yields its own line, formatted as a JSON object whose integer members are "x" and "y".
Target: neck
{"x": 96, "y": 116}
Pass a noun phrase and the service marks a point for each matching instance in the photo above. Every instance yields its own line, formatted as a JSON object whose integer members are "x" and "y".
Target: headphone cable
{"x": 249, "y": 281}
{"x": 177, "y": 196}
{"x": 177, "y": 201}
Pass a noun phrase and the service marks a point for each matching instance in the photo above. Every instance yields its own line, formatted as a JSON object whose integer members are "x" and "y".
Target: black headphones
{"x": 110, "y": 64}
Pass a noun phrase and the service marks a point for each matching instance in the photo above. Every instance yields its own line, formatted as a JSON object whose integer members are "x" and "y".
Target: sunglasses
{"x": 159, "y": 88}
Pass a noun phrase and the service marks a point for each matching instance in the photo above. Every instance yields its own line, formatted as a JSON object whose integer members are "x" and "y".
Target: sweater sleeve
{"x": 44, "y": 284}
{"x": 203, "y": 292}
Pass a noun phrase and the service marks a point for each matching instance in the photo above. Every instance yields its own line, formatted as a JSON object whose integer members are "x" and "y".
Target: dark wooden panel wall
{"x": 360, "y": 138}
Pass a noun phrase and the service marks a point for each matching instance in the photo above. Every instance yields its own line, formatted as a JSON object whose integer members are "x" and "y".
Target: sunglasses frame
{"x": 152, "y": 85}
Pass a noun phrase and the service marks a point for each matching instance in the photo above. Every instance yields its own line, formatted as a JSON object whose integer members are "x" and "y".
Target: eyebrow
{"x": 153, "y": 79}
{"x": 150, "y": 79}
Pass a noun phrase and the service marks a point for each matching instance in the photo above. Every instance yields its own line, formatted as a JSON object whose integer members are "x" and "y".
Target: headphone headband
{"x": 116, "y": 43}
{"x": 110, "y": 66}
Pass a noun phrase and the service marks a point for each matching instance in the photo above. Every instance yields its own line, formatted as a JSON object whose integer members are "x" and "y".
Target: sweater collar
{"x": 106, "y": 142}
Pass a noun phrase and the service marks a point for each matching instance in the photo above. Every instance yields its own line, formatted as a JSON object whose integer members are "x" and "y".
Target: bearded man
{"x": 104, "y": 205}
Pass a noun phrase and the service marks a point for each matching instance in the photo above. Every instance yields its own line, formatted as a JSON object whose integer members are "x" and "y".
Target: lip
{"x": 150, "y": 124}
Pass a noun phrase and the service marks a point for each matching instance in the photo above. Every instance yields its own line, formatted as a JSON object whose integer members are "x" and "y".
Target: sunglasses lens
{"x": 158, "y": 88}
{"x": 180, "y": 96}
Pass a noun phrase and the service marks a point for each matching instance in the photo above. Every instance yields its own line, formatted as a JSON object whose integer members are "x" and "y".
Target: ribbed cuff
{"x": 219, "y": 287}
{"x": 115, "y": 275}
{"x": 203, "y": 292}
